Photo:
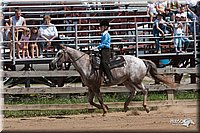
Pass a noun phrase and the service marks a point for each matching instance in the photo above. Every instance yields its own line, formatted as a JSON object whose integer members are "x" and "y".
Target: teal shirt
{"x": 105, "y": 40}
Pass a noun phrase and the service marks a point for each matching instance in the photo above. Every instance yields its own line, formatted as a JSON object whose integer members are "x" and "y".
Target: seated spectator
{"x": 151, "y": 10}
{"x": 20, "y": 23}
{"x": 173, "y": 5}
{"x": 160, "y": 6}
{"x": 34, "y": 37}
{"x": 184, "y": 18}
{"x": 186, "y": 25}
{"x": 24, "y": 42}
{"x": 48, "y": 32}
{"x": 158, "y": 27}
{"x": 6, "y": 34}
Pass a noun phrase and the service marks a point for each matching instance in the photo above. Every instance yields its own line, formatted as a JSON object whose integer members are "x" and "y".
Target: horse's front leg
{"x": 91, "y": 98}
{"x": 100, "y": 99}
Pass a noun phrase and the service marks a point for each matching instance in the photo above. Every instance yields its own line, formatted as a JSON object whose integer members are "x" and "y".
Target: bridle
{"x": 64, "y": 52}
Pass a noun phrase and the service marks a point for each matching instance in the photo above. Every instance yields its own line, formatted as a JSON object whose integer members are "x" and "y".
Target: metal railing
{"x": 78, "y": 40}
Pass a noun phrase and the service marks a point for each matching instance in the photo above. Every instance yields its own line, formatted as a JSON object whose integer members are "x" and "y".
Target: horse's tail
{"x": 152, "y": 69}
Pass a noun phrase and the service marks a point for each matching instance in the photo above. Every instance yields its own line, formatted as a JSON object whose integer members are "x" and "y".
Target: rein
{"x": 75, "y": 59}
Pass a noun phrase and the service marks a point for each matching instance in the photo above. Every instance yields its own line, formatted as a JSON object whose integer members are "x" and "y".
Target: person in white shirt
{"x": 20, "y": 24}
{"x": 151, "y": 9}
{"x": 48, "y": 32}
{"x": 178, "y": 32}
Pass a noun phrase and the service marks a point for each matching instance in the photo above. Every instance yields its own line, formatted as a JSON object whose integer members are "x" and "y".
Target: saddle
{"x": 116, "y": 61}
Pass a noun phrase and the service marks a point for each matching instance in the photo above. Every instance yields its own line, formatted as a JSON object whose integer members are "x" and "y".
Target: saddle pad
{"x": 117, "y": 61}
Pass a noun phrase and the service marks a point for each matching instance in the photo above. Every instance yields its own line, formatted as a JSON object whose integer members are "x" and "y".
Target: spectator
{"x": 20, "y": 22}
{"x": 6, "y": 34}
{"x": 169, "y": 18}
{"x": 183, "y": 14}
{"x": 178, "y": 32}
{"x": 48, "y": 32}
{"x": 151, "y": 10}
{"x": 24, "y": 42}
{"x": 184, "y": 18}
{"x": 192, "y": 16}
{"x": 158, "y": 27}
{"x": 173, "y": 5}
{"x": 191, "y": 3}
{"x": 160, "y": 6}
{"x": 34, "y": 37}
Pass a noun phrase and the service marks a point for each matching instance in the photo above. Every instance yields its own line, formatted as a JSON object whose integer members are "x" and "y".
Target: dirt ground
{"x": 163, "y": 119}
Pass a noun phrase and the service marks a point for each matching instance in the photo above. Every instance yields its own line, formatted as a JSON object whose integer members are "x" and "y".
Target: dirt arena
{"x": 159, "y": 120}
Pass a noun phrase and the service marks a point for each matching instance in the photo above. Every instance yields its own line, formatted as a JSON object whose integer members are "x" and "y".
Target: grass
{"x": 109, "y": 97}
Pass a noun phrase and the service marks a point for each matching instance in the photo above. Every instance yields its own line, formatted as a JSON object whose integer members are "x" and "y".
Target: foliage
{"x": 73, "y": 99}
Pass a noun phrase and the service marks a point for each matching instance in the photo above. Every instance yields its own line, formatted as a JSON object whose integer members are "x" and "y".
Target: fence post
{"x": 13, "y": 44}
{"x": 170, "y": 96}
{"x": 136, "y": 38}
{"x": 195, "y": 39}
{"x": 76, "y": 36}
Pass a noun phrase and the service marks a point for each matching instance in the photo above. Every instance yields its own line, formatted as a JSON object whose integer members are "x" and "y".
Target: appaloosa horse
{"x": 130, "y": 74}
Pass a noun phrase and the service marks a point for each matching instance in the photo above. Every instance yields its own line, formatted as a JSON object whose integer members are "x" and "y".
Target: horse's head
{"x": 60, "y": 58}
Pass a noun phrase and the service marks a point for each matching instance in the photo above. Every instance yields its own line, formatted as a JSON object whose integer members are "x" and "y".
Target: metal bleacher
{"x": 130, "y": 29}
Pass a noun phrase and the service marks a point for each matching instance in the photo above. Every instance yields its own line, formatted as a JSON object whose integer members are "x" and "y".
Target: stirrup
{"x": 107, "y": 81}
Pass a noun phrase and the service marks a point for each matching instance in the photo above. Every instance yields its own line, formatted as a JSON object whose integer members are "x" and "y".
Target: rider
{"x": 104, "y": 48}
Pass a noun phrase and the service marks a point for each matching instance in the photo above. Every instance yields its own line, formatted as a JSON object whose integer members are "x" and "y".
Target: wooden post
{"x": 170, "y": 95}
{"x": 193, "y": 76}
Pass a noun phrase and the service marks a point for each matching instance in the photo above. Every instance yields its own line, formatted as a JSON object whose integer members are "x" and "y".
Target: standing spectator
{"x": 34, "y": 37}
{"x": 191, "y": 16}
{"x": 151, "y": 10}
{"x": 48, "y": 32}
{"x": 169, "y": 18}
{"x": 186, "y": 25}
{"x": 24, "y": 42}
{"x": 20, "y": 22}
{"x": 158, "y": 27}
{"x": 178, "y": 32}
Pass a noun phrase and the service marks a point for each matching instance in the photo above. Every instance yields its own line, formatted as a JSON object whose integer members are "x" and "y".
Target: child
{"x": 104, "y": 48}
{"x": 178, "y": 31}
{"x": 34, "y": 36}
{"x": 24, "y": 44}
{"x": 151, "y": 9}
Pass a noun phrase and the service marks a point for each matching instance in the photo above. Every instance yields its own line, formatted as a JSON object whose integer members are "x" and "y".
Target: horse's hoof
{"x": 126, "y": 109}
{"x": 104, "y": 114}
{"x": 147, "y": 109}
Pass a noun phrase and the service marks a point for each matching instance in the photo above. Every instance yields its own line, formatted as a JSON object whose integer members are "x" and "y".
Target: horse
{"x": 131, "y": 74}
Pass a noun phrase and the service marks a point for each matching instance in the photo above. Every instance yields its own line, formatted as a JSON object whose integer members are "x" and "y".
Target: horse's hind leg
{"x": 145, "y": 93}
{"x": 131, "y": 87}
